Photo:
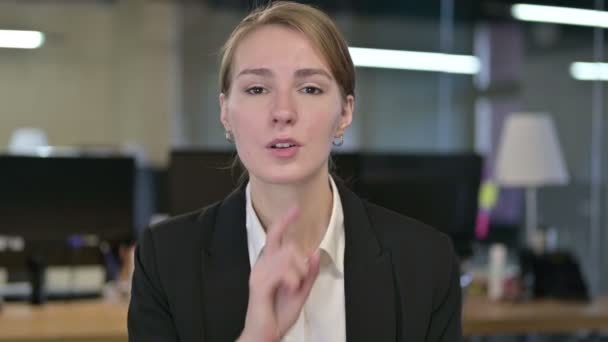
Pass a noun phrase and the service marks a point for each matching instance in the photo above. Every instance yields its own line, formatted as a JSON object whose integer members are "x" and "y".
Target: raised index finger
{"x": 275, "y": 232}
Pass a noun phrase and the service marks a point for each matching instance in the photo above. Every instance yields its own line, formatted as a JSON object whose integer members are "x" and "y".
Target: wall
{"x": 105, "y": 76}
{"x": 394, "y": 110}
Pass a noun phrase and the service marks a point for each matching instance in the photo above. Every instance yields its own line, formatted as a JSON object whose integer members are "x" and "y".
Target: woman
{"x": 292, "y": 255}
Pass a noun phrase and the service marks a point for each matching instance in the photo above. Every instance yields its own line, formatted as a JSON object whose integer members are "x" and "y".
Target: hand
{"x": 279, "y": 284}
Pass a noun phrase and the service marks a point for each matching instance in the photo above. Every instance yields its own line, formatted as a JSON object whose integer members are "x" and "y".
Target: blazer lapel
{"x": 225, "y": 270}
{"x": 370, "y": 297}
{"x": 369, "y": 286}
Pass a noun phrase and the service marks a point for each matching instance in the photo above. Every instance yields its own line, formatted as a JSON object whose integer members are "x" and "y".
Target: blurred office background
{"x": 138, "y": 78}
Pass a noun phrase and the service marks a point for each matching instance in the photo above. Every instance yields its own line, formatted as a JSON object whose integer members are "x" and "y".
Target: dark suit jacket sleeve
{"x": 446, "y": 319}
{"x": 149, "y": 317}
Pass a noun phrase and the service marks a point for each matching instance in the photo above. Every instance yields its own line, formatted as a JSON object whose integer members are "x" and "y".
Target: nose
{"x": 284, "y": 111}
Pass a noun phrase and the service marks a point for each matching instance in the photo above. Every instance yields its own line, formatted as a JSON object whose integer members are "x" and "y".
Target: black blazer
{"x": 191, "y": 277}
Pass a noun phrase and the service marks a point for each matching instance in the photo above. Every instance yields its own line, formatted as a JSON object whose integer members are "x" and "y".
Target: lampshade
{"x": 26, "y": 140}
{"x": 529, "y": 153}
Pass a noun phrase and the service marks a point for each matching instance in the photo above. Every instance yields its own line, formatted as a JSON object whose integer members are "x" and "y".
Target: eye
{"x": 312, "y": 90}
{"x": 255, "y": 90}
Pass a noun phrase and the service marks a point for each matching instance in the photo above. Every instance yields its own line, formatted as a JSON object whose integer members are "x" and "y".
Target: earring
{"x": 338, "y": 141}
{"x": 229, "y": 136}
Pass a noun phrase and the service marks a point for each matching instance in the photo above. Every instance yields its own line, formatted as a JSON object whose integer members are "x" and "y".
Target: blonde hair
{"x": 313, "y": 23}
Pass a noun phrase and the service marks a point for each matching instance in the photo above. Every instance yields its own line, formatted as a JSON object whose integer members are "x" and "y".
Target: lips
{"x": 283, "y": 149}
{"x": 283, "y": 144}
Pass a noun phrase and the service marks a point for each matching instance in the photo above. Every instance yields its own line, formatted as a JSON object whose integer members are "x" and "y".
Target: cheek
{"x": 330, "y": 124}
{"x": 322, "y": 130}
{"x": 244, "y": 118}
{"x": 327, "y": 127}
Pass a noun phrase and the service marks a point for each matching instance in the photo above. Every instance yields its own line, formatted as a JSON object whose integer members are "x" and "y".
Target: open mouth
{"x": 282, "y": 145}
{"x": 284, "y": 148}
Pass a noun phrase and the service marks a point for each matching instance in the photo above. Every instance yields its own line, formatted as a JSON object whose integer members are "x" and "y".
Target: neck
{"x": 313, "y": 198}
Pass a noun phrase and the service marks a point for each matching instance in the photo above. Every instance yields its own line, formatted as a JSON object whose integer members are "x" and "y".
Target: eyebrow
{"x": 300, "y": 73}
{"x": 256, "y": 71}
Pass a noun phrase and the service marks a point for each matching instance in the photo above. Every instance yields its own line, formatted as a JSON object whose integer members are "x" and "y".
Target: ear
{"x": 224, "y": 112}
{"x": 347, "y": 115}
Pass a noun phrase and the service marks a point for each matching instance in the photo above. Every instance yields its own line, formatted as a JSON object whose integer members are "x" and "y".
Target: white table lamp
{"x": 27, "y": 140}
{"x": 529, "y": 155}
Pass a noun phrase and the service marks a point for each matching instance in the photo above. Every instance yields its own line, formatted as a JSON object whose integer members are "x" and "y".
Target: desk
{"x": 99, "y": 321}
{"x": 83, "y": 321}
{"x": 483, "y": 317}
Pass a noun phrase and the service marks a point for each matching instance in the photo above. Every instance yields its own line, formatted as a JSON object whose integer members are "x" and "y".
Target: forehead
{"x": 278, "y": 48}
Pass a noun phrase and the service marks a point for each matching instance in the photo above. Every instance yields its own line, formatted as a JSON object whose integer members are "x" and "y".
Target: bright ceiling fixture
{"x": 414, "y": 60}
{"x": 588, "y": 71}
{"x": 560, "y": 15}
{"x": 16, "y": 39}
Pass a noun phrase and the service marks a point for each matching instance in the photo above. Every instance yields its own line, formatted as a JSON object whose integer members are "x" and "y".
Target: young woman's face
{"x": 284, "y": 107}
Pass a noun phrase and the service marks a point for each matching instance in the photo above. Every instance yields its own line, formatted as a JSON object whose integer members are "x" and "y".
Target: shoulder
{"x": 395, "y": 230}
{"x": 418, "y": 251}
{"x": 184, "y": 225}
{"x": 183, "y": 234}
{"x": 172, "y": 249}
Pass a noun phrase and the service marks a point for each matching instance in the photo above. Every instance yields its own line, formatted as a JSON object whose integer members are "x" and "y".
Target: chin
{"x": 282, "y": 177}
{"x": 285, "y": 174}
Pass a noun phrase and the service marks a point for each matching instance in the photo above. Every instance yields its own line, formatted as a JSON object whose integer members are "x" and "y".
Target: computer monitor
{"x": 45, "y": 199}
{"x": 440, "y": 190}
{"x": 198, "y": 178}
